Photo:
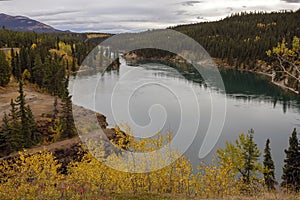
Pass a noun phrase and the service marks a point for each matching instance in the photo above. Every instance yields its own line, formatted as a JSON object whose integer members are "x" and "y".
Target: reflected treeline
{"x": 153, "y": 42}
{"x": 239, "y": 85}
{"x": 102, "y": 59}
{"x": 186, "y": 70}
{"x": 249, "y": 86}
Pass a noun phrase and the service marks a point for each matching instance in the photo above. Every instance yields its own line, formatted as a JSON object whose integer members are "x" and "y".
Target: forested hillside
{"x": 41, "y": 58}
{"x": 242, "y": 40}
{"x": 43, "y": 62}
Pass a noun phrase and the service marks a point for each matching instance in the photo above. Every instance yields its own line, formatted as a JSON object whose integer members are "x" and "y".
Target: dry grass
{"x": 266, "y": 196}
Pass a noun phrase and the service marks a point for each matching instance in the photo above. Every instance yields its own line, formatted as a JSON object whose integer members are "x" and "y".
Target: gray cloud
{"x": 291, "y": 1}
{"x": 190, "y": 3}
{"x": 180, "y": 12}
{"x": 134, "y": 15}
{"x": 229, "y": 9}
{"x": 52, "y": 13}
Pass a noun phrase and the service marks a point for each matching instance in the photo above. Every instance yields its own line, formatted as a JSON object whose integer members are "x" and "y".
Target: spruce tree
{"x": 35, "y": 135}
{"x": 19, "y": 128}
{"x": 18, "y": 67}
{"x": 37, "y": 70}
{"x": 68, "y": 126}
{"x": 28, "y": 124}
{"x": 15, "y": 131}
{"x": 24, "y": 59}
{"x": 54, "y": 76}
{"x": 244, "y": 154}
{"x": 55, "y": 128}
{"x": 5, "y": 147}
{"x": 13, "y": 61}
{"x": 73, "y": 59}
{"x": 250, "y": 155}
{"x": 291, "y": 169}
{"x": 55, "y": 111}
{"x": 269, "y": 168}
{"x": 5, "y": 70}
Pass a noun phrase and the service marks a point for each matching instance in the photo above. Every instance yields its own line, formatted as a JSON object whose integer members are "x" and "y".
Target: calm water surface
{"x": 252, "y": 102}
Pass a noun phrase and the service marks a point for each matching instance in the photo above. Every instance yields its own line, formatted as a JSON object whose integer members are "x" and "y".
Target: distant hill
{"x": 243, "y": 39}
{"x": 24, "y": 24}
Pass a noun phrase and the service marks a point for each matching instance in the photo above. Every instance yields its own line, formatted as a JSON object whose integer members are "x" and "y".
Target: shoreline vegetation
{"x": 134, "y": 57}
{"x": 271, "y": 76}
{"x": 42, "y": 174}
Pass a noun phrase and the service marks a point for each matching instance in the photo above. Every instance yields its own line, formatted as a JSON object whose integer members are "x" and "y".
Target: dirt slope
{"x": 40, "y": 103}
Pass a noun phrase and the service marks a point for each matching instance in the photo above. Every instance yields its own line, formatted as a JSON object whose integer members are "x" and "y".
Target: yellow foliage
{"x": 257, "y": 38}
{"x": 26, "y": 75}
{"x": 30, "y": 177}
{"x": 67, "y": 58}
{"x": 33, "y": 46}
{"x": 65, "y": 47}
{"x": 36, "y": 176}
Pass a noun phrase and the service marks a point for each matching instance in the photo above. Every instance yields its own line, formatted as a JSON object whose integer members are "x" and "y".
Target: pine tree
{"x": 24, "y": 59}
{"x": 56, "y": 125}
{"x": 32, "y": 127}
{"x": 66, "y": 118}
{"x": 37, "y": 70}
{"x": 54, "y": 76}
{"x": 55, "y": 111}
{"x": 250, "y": 154}
{"x": 291, "y": 169}
{"x": 5, "y": 70}
{"x": 27, "y": 120}
{"x": 15, "y": 131}
{"x": 269, "y": 168}
{"x": 17, "y": 67}
{"x": 19, "y": 128}
{"x": 13, "y": 61}
{"x": 5, "y": 147}
{"x": 245, "y": 157}
{"x": 73, "y": 59}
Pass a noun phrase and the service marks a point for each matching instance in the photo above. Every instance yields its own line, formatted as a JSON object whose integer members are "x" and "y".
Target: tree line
{"x": 43, "y": 59}
{"x": 244, "y": 38}
{"x": 20, "y": 130}
{"x": 245, "y": 155}
{"x": 256, "y": 41}
{"x": 237, "y": 172}
{"x": 46, "y": 61}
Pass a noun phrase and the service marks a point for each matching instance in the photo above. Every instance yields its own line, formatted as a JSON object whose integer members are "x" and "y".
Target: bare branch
{"x": 284, "y": 68}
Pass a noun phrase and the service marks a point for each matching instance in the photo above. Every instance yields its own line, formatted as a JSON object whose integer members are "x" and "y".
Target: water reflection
{"x": 244, "y": 86}
{"x": 252, "y": 102}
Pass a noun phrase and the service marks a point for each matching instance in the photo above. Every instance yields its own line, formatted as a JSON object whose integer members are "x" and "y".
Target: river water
{"x": 151, "y": 97}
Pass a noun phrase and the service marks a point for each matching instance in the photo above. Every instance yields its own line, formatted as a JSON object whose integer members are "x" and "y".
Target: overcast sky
{"x": 116, "y": 16}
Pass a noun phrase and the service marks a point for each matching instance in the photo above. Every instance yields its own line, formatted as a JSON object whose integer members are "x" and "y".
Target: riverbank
{"x": 42, "y": 105}
{"x": 264, "y": 72}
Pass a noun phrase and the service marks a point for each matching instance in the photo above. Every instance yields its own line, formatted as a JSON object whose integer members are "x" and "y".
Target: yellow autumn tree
{"x": 217, "y": 181}
{"x": 286, "y": 62}
{"x": 99, "y": 178}
{"x": 30, "y": 177}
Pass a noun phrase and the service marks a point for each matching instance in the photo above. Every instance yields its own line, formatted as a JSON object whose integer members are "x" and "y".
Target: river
{"x": 251, "y": 102}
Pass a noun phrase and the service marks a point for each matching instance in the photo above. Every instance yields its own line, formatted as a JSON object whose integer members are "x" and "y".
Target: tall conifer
{"x": 291, "y": 169}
